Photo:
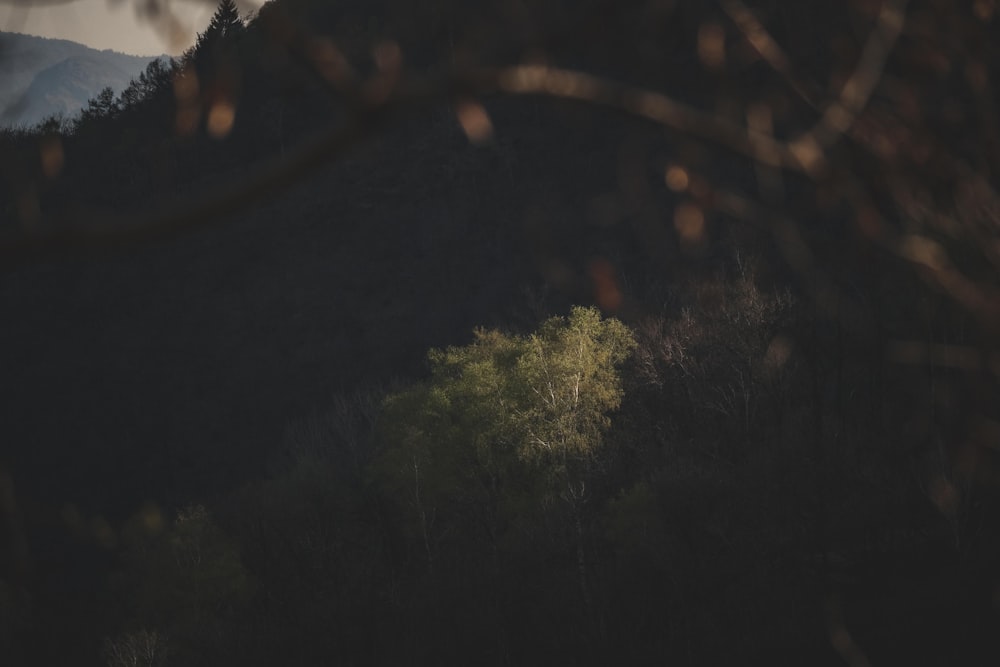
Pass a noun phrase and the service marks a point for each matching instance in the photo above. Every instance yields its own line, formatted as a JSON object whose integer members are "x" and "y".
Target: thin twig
{"x": 771, "y": 52}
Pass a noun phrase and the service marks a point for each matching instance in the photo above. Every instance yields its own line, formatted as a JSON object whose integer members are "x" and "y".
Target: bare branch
{"x": 839, "y": 117}
{"x": 373, "y": 111}
{"x": 771, "y": 52}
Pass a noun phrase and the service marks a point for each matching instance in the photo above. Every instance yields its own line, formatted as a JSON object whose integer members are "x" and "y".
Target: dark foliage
{"x": 796, "y": 464}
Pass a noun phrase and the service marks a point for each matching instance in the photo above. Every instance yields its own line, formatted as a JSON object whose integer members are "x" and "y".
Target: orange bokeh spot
{"x": 474, "y": 120}
{"x": 221, "y": 118}
{"x": 677, "y": 178}
{"x": 689, "y": 221}
{"x": 712, "y": 45}
{"x": 53, "y": 157}
{"x": 606, "y": 291}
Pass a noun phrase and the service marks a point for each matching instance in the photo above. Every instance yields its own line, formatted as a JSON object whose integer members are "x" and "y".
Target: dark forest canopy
{"x": 710, "y": 291}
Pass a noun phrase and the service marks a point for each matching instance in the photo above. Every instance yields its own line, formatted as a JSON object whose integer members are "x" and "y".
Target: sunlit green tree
{"x": 505, "y": 426}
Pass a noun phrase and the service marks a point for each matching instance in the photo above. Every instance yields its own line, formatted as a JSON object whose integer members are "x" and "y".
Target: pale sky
{"x": 122, "y": 25}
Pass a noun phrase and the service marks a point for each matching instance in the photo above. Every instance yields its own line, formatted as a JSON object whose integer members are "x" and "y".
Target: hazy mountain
{"x": 40, "y": 77}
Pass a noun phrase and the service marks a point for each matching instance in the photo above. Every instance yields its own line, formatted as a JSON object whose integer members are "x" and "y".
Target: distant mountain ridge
{"x": 40, "y": 77}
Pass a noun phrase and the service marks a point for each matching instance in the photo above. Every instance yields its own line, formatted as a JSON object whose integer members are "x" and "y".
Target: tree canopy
{"x": 532, "y": 408}
{"x": 226, "y": 23}
{"x": 541, "y": 397}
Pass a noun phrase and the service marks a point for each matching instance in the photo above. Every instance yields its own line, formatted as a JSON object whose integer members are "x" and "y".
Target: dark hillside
{"x": 207, "y": 346}
{"x": 511, "y": 333}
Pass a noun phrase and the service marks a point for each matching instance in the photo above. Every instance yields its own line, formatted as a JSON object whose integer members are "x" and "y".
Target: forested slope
{"x": 768, "y": 439}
